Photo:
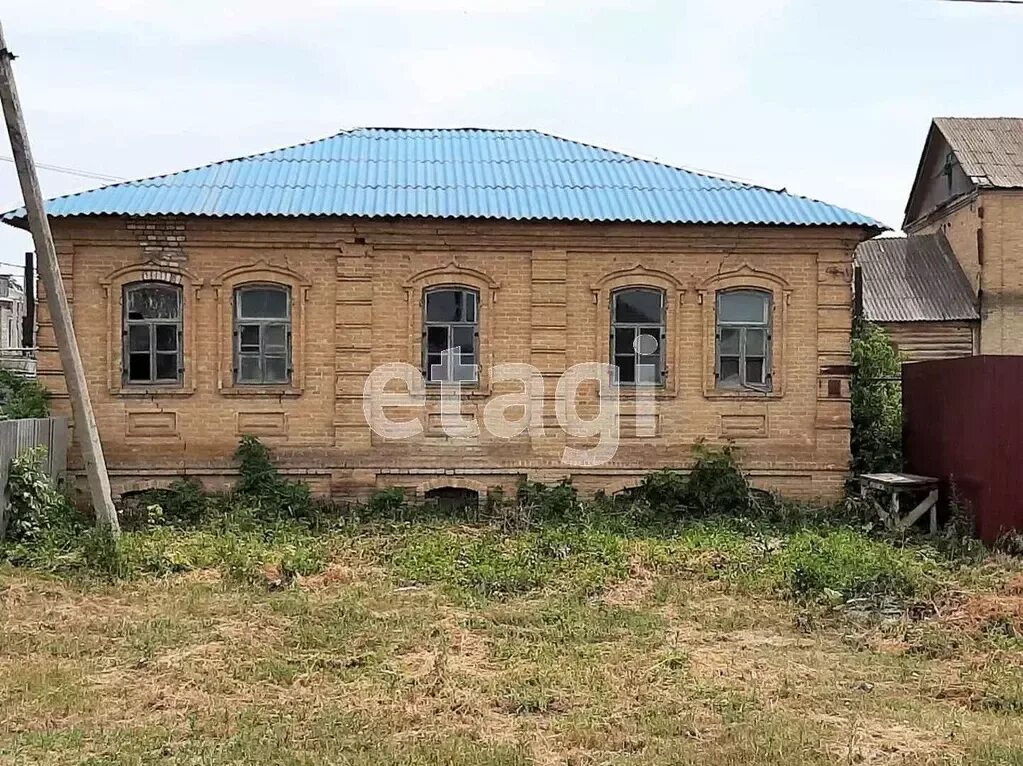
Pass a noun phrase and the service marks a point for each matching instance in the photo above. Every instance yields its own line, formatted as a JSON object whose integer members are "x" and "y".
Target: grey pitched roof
{"x": 913, "y": 279}
{"x": 989, "y": 149}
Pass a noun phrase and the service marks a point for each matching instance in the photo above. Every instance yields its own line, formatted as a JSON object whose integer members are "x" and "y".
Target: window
{"x": 948, "y": 169}
{"x": 744, "y": 339}
{"x": 262, "y": 334}
{"x": 638, "y": 336}
{"x": 451, "y": 335}
{"x": 152, "y": 334}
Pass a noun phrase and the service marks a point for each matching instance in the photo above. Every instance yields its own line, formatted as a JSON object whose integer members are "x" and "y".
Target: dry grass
{"x": 357, "y": 666}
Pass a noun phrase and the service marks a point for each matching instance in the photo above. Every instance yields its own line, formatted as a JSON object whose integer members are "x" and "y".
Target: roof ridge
{"x": 978, "y": 119}
{"x": 701, "y": 189}
{"x": 463, "y": 129}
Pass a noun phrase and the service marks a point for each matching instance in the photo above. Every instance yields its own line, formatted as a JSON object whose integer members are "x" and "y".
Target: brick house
{"x": 954, "y": 285}
{"x": 256, "y": 296}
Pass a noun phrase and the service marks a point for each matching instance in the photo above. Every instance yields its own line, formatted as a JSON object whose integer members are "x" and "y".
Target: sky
{"x": 826, "y": 98}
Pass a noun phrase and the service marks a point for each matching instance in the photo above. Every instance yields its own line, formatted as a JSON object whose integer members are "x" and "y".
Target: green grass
{"x": 486, "y": 563}
{"x": 718, "y": 641}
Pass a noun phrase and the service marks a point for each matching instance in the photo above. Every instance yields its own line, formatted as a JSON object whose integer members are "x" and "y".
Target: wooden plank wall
{"x": 16, "y": 436}
{"x": 924, "y": 341}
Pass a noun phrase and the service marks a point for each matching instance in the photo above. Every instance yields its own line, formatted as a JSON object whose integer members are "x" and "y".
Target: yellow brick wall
{"x": 1001, "y": 330}
{"x": 544, "y": 290}
{"x": 986, "y": 234}
{"x": 960, "y": 226}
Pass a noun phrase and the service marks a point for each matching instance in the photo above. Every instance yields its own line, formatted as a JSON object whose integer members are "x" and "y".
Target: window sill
{"x": 730, "y": 393}
{"x": 149, "y": 392}
{"x": 661, "y": 391}
{"x": 262, "y": 391}
{"x": 466, "y": 391}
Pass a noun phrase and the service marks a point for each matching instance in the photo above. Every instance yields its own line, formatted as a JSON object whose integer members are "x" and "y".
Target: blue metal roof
{"x": 453, "y": 173}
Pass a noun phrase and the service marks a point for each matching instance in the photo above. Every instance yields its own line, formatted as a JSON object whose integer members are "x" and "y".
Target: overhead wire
{"x": 69, "y": 171}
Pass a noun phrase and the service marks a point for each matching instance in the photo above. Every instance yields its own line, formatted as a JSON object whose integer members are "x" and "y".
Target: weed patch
{"x": 492, "y": 564}
{"x": 816, "y": 564}
{"x": 251, "y": 556}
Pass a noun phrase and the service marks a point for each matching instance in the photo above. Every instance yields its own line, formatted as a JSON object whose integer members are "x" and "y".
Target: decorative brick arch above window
{"x": 450, "y": 273}
{"x": 638, "y": 275}
{"x": 745, "y": 277}
{"x": 114, "y": 285}
{"x": 268, "y": 274}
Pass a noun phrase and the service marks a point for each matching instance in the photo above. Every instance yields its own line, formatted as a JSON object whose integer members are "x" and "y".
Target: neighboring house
{"x": 969, "y": 187}
{"x": 13, "y": 355}
{"x": 256, "y": 295}
{"x": 915, "y": 289}
{"x": 12, "y": 312}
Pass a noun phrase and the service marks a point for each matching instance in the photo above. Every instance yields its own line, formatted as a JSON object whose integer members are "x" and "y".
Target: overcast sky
{"x": 828, "y": 98}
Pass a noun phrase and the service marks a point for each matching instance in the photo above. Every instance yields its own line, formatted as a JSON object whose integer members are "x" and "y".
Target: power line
{"x": 989, "y": 2}
{"x": 75, "y": 171}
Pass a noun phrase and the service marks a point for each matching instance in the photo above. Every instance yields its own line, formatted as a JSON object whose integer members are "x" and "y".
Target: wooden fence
{"x": 16, "y": 436}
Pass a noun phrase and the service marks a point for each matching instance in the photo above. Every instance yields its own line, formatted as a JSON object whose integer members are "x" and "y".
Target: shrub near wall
{"x": 876, "y": 401}
{"x": 34, "y": 504}
{"x": 22, "y": 397}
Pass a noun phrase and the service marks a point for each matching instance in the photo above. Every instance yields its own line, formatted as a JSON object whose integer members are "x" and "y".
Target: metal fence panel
{"x": 963, "y": 423}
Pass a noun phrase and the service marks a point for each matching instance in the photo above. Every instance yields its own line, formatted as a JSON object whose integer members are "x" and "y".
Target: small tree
{"x": 876, "y": 401}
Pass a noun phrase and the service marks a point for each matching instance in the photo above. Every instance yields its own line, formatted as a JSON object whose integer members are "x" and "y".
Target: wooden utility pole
{"x": 56, "y": 298}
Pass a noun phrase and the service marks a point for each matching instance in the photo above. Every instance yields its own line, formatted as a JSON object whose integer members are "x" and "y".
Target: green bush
{"x": 34, "y": 502}
{"x": 271, "y": 495}
{"x": 664, "y": 492}
{"x": 22, "y": 397}
{"x": 183, "y": 504}
{"x": 715, "y": 485}
{"x": 387, "y": 503}
{"x": 876, "y": 401}
{"x": 548, "y": 502}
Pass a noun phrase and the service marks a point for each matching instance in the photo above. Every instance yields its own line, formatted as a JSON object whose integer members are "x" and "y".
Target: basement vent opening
{"x": 454, "y": 498}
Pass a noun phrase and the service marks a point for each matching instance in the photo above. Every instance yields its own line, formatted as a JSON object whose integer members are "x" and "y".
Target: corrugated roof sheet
{"x": 913, "y": 279}
{"x": 990, "y": 149}
{"x": 453, "y": 173}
